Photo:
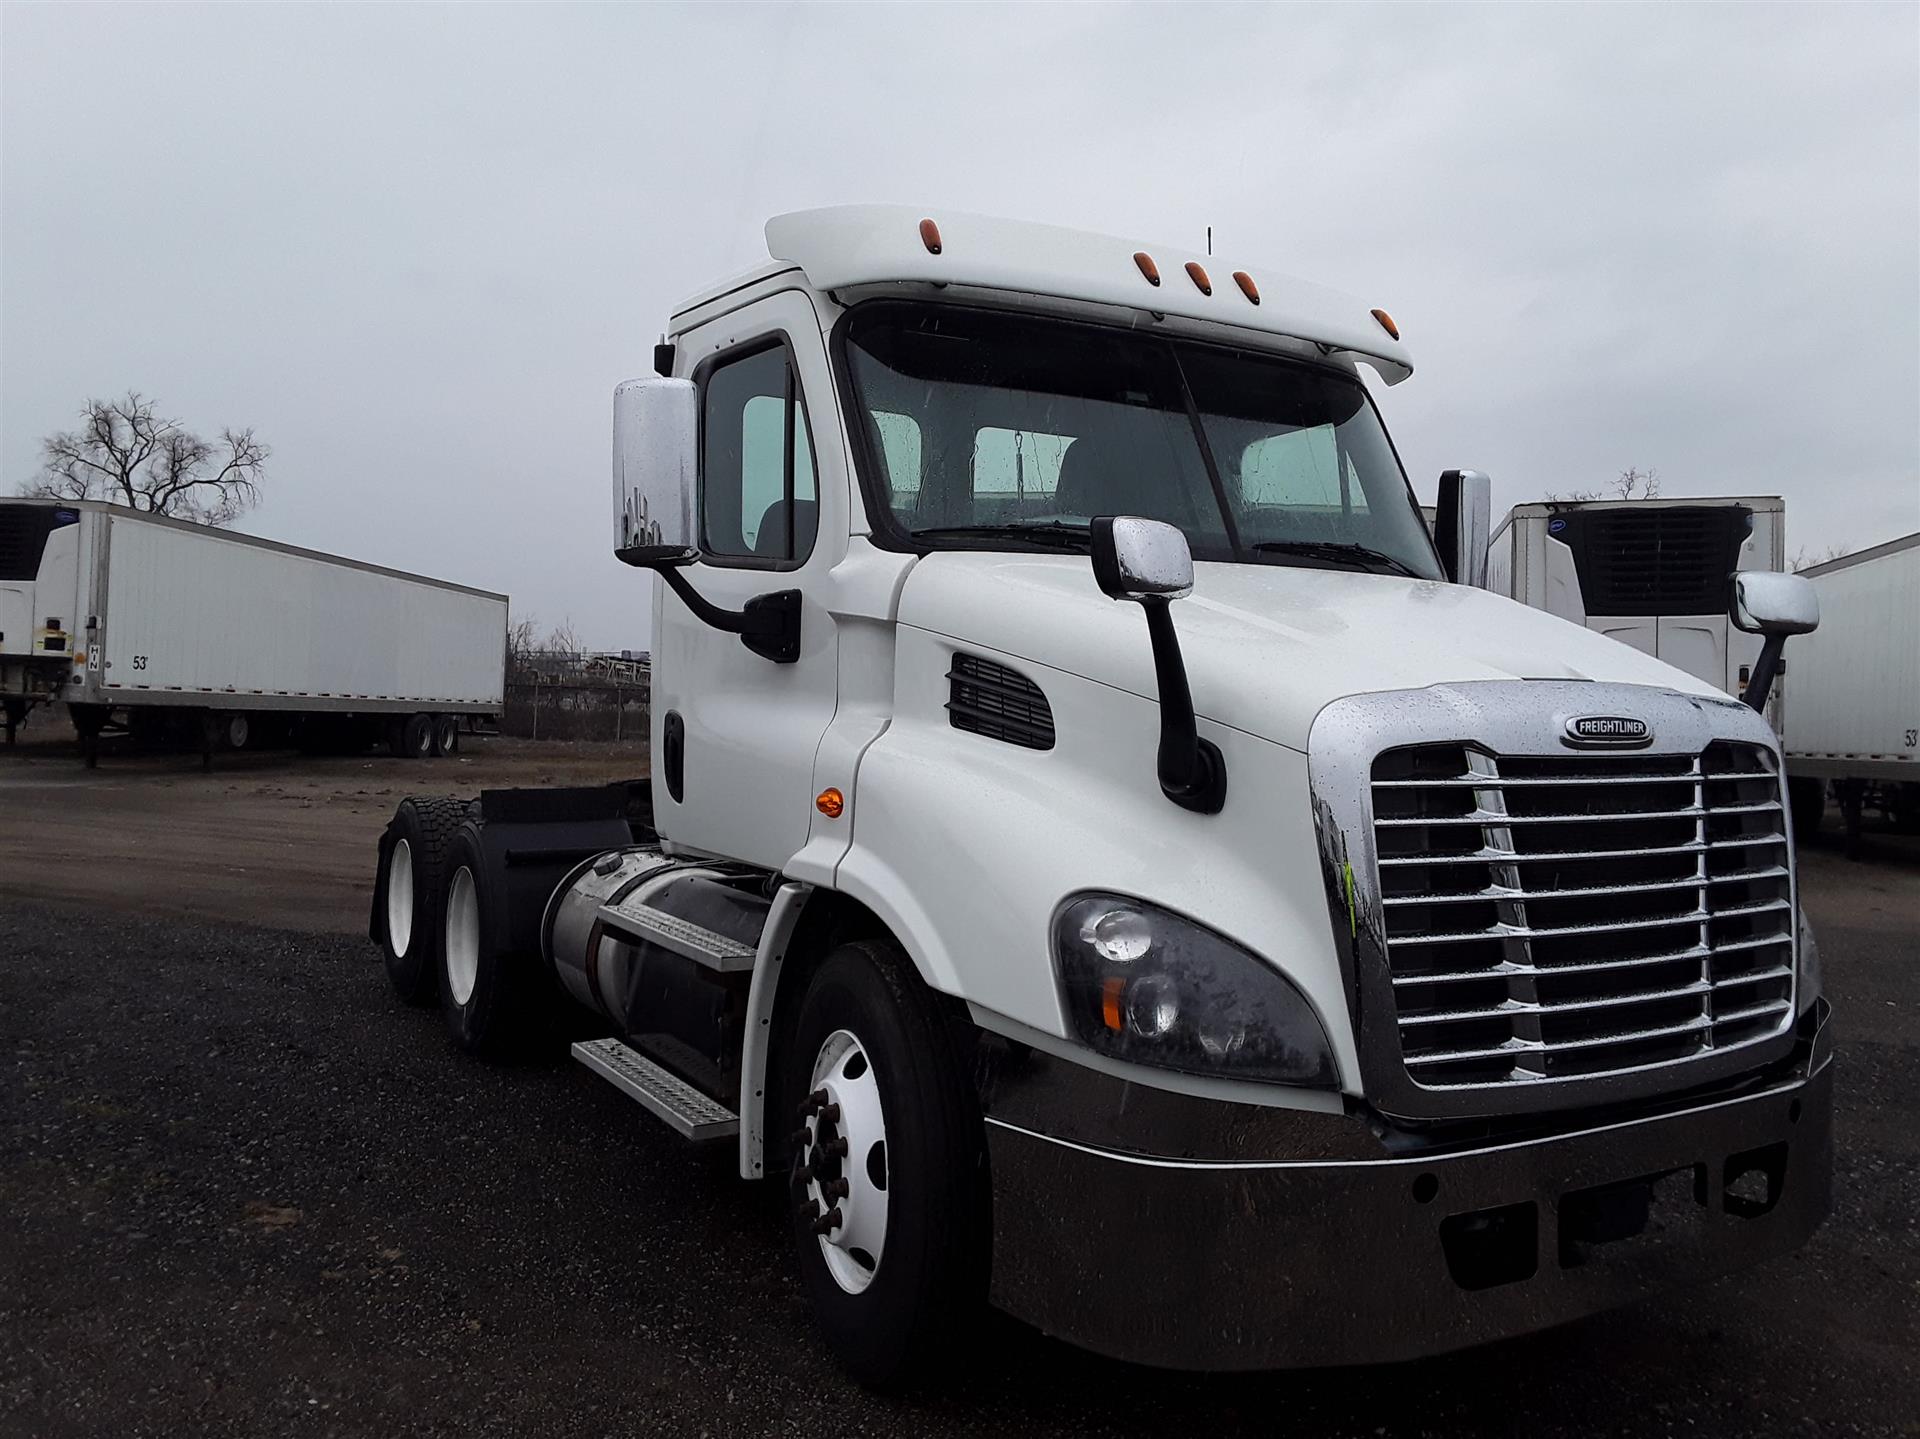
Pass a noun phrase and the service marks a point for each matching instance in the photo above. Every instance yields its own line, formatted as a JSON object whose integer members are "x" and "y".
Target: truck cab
{"x": 1108, "y": 860}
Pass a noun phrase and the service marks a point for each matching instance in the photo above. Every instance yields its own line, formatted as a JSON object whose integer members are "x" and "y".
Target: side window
{"x": 1299, "y": 469}
{"x": 758, "y": 497}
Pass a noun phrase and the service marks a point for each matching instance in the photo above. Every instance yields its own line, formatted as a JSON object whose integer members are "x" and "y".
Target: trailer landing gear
{"x": 15, "y": 715}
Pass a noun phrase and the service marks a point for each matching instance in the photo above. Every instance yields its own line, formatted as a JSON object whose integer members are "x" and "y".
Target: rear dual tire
{"x": 412, "y": 893}
{"x": 490, "y": 996}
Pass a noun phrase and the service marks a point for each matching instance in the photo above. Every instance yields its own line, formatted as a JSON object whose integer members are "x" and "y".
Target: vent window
{"x": 1655, "y": 559}
{"x": 989, "y": 699}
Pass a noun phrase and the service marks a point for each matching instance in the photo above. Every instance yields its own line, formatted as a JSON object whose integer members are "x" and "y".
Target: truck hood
{"x": 1266, "y": 646}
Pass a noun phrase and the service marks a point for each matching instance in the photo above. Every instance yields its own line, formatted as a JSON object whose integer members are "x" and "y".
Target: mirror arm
{"x": 769, "y": 625}
{"x": 1193, "y": 772}
{"x": 1765, "y": 667}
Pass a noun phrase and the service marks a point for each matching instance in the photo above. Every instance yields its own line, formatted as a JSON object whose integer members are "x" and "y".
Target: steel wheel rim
{"x": 846, "y": 1192}
{"x": 237, "y": 731}
{"x": 463, "y": 936}
{"x": 400, "y": 899}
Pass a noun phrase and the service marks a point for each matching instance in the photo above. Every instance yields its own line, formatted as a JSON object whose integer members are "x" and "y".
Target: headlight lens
{"x": 1147, "y": 986}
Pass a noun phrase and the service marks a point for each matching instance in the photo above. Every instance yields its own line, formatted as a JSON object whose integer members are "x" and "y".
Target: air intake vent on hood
{"x": 992, "y": 700}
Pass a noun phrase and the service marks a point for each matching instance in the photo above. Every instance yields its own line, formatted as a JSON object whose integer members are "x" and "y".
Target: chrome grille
{"x": 1553, "y": 917}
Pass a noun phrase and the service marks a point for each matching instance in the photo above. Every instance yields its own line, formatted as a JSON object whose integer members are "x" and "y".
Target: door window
{"x": 758, "y": 497}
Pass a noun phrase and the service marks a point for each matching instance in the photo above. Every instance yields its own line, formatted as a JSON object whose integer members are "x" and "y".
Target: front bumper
{"x": 1255, "y": 1264}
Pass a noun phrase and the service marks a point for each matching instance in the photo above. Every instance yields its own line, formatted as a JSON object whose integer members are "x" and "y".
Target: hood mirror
{"x": 1768, "y": 603}
{"x": 1148, "y": 562}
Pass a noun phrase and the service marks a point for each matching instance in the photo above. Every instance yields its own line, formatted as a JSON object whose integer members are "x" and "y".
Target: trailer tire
{"x": 446, "y": 734}
{"x": 491, "y": 1005}
{"x": 1807, "y": 797}
{"x": 414, "y": 735}
{"x": 410, "y": 893}
{"x": 918, "y": 1300}
{"x": 236, "y": 730}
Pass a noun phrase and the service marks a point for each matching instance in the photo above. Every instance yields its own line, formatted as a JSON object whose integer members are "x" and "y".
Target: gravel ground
{"x": 245, "y": 1192}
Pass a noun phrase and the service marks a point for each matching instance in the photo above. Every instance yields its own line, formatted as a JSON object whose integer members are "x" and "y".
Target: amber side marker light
{"x": 930, "y": 236}
{"x": 831, "y": 803}
{"x": 1199, "y": 277}
{"x": 1110, "y": 992}
{"x": 1247, "y": 288}
{"x": 1147, "y": 267}
{"x": 1386, "y": 323}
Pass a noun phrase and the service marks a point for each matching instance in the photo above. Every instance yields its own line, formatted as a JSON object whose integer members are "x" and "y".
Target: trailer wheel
{"x": 411, "y": 737}
{"x": 236, "y": 731}
{"x": 1808, "y": 800}
{"x": 410, "y": 893}
{"x": 446, "y": 734}
{"x": 888, "y": 1169}
{"x": 485, "y": 994}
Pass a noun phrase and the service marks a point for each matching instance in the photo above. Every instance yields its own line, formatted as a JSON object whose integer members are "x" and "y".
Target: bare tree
{"x": 1806, "y": 559}
{"x": 1638, "y": 485}
{"x": 124, "y": 451}
{"x": 561, "y": 640}
{"x": 1632, "y": 485}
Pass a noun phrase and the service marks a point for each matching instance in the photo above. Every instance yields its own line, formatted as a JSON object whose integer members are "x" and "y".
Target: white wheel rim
{"x": 400, "y": 899}
{"x": 853, "y": 1247}
{"x": 463, "y": 936}
{"x": 237, "y": 731}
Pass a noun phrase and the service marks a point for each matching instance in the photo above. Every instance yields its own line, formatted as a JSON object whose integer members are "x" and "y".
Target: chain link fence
{"x": 564, "y": 695}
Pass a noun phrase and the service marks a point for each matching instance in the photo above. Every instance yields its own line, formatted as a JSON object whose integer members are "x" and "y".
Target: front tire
{"x": 889, "y": 1180}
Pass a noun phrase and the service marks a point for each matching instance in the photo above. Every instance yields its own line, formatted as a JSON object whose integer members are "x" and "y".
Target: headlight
{"x": 1147, "y": 986}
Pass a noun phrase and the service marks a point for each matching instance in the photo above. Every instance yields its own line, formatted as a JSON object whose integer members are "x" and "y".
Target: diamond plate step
{"x": 691, "y": 1114}
{"x": 682, "y": 937}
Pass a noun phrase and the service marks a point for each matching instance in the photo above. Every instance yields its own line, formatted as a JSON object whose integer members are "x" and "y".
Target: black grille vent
{"x": 992, "y": 700}
{"x": 1655, "y": 559}
{"x": 23, "y": 537}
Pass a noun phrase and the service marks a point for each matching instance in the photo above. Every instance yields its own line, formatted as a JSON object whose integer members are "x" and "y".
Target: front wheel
{"x": 888, "y": 1179}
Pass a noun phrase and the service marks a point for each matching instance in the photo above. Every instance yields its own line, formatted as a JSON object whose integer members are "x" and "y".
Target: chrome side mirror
{"x": 1463, "y": 526}
{"x": 1149, "y": 563}
{"x": 1766, "y": 602}
{"x": 655, "y": 432}
{"x": 1136, "y": 559}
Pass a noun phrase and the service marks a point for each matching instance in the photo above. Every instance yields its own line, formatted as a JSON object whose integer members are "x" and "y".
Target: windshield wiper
{"x": 1339, "y": 551}
{"x": 1061, "y": 536}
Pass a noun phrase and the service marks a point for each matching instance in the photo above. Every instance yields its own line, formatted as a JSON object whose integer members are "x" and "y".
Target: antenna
{"x": 1209, "y": 242}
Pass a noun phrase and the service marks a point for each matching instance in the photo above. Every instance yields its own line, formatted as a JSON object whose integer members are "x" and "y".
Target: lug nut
{"x": 838, "y": 1148}
{"x": 836, "y": 1189}
{"x": 831, "y": 1114}
{"x": 827, "y": 1222}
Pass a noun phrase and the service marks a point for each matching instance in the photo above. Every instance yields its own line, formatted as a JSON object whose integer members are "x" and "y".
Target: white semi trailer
{"x": 130, "y": 618}
{"x": 1109, "y": 862}
{"x": 1855, "y": 721}
{"x": 1650, "y": 573}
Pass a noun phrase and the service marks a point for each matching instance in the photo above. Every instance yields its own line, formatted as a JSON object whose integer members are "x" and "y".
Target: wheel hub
{"x": 840, "y": 1177}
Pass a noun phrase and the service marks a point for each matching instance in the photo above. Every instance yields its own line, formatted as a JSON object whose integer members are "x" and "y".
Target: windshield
{"x": 992, "y": 429}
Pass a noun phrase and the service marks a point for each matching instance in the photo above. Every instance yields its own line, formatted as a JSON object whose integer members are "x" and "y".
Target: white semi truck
{"x": 155, "y": 624}
{"x": 1855, "y": 722}
{"x": 1105, "y": 860}
{"x": 1650, "y": 573}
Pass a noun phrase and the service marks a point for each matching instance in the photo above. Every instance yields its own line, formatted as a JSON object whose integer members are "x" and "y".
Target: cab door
{"x": 734, "y": 734}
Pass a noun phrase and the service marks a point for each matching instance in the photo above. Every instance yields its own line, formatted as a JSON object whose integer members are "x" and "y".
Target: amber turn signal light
{"x": 1199, "y": 277}
{"x": 831, "y": 803}
{"x": 1386, "y": 323}
{"x": 930, "y": 236}
{"x": 1245, "y": 282}
{"x": 1147, "y": 267}
{"x": 1110, "y": 991}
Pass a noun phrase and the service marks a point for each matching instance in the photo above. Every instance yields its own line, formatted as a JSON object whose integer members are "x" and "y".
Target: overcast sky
{"x": 415, "y": 248}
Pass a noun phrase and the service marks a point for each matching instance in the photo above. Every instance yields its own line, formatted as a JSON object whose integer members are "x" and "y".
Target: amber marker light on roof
{"x": 1147, "y": 267}
{"x": 1386, "y": 323}
{"x": 1247, "y": 287}
{"x": 831, "y": 803}
{"x": 1199, "y": 277}
{"x": 930, "y": 236}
